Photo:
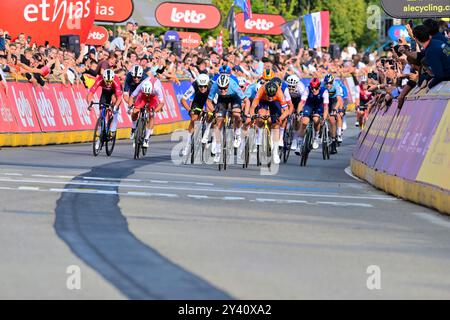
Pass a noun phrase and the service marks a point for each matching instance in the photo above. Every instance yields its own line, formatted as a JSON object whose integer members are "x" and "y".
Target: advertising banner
{"x": 22, "y": 107}
{"x": 7, "y": 119}
{"x": 187, "y": 15}
{"x": 98, "y": 36}
{"x": 190, "y": 39}
{"x": 171, "y": 110}
{"x": 46, "y": 20}
{"x": 407, "y": 9}
{"x": 179, "y": 92}
{"x": 269, "y": 24}
{"x": 113, "y": 10}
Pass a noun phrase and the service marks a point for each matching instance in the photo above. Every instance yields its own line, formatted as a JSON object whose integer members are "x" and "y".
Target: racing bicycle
{"x": 102, "y": 132}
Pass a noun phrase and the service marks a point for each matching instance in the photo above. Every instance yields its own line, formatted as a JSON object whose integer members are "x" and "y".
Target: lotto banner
{"x": 59, "y": 108}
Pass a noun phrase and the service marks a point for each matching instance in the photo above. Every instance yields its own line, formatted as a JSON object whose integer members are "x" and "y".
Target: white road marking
{"x": 434, "y": 219}
{"x": 28, "y": 188}
{"x": 111, "y": 179}
{"x": 12, "y": 174}
{"x": 49, "y": 176}
{"x": 95, "y": 184}
{"x": 346, "y": 204}
{"x": 233, "y": 198}
{"x": 349, "y": 172}
{"x": 6, "y": 188}
{"x": 197, "y": 196}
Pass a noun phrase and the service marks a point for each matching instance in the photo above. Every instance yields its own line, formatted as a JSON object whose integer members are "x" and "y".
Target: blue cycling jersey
{"x": 316, "y": 100}
{"x": 251, "y": 91}
{"x": 335, "y": 91}
{"x": 234, "y": 91}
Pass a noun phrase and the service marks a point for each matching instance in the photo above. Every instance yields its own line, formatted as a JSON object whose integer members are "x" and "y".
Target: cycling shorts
{"x": 151, "y": 104}
{"x": 196, "y": 108}
{"x": 274, "y": 108}
{"x": 223, "y": 104}
{"x": 310, "y": 110}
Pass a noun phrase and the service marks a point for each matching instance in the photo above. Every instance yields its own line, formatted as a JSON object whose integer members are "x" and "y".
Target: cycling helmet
{"x": 278, "y": 81}
{"x": 293, "y": 80}
{"x": 271, "y": 88}
{"x": 225, "y": 69}
{"x": 147, "y": 87}
{"x": 268, "y": 74}
{"x": 137, "y": 71}
{"x": 329, "y": 78}
{"x": 108, "y": 75}
{"x": 315, "y": 83}
{"x": 242, "y": 81}
{"x": 202, "y": 79}
{"x": 223, "y": 81}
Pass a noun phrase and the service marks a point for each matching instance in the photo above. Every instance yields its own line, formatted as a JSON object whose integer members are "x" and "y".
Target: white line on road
{"x": 28, "y": 188}
{"x": 346, "y": 204}
{"x": 95, "y": 184}
{"x": 433, "y": 218}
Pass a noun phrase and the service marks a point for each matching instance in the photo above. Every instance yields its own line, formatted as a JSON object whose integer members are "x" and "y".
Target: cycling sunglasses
{"x": 223, "y": 88}
{"x": 203, "y": 87}
{"x": 109, "y": 82}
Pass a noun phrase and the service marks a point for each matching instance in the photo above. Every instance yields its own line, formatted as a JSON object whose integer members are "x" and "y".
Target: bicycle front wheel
{"x": 139, "y": 138}
{"x": 97, "y": 139}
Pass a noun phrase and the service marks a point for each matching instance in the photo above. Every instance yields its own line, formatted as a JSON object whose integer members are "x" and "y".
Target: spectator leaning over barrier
{"x": 437, "y": 54}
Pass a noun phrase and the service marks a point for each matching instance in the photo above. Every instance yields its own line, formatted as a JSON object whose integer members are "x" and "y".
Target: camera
{"x": 7, "y": 37}
{"x": 389, "y": 46}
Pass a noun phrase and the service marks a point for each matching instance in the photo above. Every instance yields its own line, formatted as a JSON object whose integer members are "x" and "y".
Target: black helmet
{"x": 271, "y": 88}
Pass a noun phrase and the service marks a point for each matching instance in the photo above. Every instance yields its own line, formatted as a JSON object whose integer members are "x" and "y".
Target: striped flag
{"x": 230, "y": 24}
{"x": 246, "y": 7}
{"x": 219, "y": 44}
{"x": 317, "y": 26}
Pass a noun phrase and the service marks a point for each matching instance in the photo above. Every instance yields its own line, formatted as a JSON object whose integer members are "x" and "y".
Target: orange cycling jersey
{"x": 261, "y": 95}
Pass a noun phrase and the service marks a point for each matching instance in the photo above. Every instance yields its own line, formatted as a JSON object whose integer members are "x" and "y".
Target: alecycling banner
{"x": 416, "y": 8}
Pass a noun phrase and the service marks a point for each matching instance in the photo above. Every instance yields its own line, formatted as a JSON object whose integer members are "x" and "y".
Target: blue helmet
{"x": 329, "y": 78}
{"x": 225, "y": 69}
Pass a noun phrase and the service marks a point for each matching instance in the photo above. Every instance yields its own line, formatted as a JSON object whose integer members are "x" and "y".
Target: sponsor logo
{"x": 81, "y": 106}
{"x": 45, "y": 109}
{"x": 190, "y": 39}
{"x": 188, "y": 15}
{"x": 113, "y": 10}
{"x": 97, "y": 36}
{"x": 260, "y": 24}
{"x": 64, "y": 108}
{"x": 46, "y": 20}
{"x": 24, "y": 109}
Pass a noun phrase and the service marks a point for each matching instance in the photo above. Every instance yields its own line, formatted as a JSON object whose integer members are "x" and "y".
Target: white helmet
{"x": 293, "y": 80}
{"x": 108, "y": 75}
{"x": 223, "y": 81}
{"x": 242, "y": 81}
{"x": 259, "y": 84}
{"x": 137, "y": 71}
{"x": 202, "y": 79}
{"x": 147, "y": 87}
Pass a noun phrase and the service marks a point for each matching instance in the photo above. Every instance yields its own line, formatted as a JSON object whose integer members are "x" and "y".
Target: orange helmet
{"x": 268, "y": 74}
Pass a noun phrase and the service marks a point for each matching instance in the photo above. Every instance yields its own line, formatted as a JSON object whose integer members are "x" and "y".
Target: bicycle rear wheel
{"x": 287, "y": 139}
{"x": 307, "y": 145}
{"x": 325, "y": 143}
{"x": 98, "y": 134}
{"x": 110, "y": 140}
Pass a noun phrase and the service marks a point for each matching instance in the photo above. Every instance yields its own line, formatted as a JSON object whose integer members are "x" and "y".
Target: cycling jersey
{"x": 314, "y": 104}
{"x": 234, "y": 91}
{"x": 115, "y": 88}
{"x": 251, "y": 91}
{"x": 130, "y": 84}
{"x": 157, "y": 89}
{"x": 199, "y": 98}
{"x": 364, "y": 96}
{"x": 299, "y": 89}
{"x": 286, "y": 93}
{"x": 335, "y": 91}
{"x": 261, "y": 95}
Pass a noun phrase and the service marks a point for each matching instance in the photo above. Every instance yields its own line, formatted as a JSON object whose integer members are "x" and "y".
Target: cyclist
{"x": 111, "y": 86}
{"x": 200, "y": 90}
{"x": 133, "y": 79}
{"x": 296, "y": 89}
{"x": 225, "y": 70}
{"x": 335, "y": 107}
{"x": 289, "y": 107}
{"x": 148, "y": 94}
{"x": 314, "y": 103}
{"x": 229, "y": 96}
{"x": 270, "y": 101}
{"x": 364, "y": 97}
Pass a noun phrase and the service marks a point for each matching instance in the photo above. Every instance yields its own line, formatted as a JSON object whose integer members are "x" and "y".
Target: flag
{"x": 291, "y": 33}
{"x": 230, "y": 24}
{"x": 317, "y": 26}
{"x": 246, "y": 7}
{"x": 219, "y": 47}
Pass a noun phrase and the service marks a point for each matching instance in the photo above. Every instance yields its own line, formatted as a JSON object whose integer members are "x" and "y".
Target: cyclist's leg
{"x": 296, "y": 124}
{"x": 209, "y": 121}
{"x": 275, "y": 113}
{"x": 237, "y": 122}
{"x": 307, "y": 112}
{"x": 333, "y": 118}
{"x": 152, "y": 105}
{"x": 221, "y": 110}
{"x": 263, "y": 111}
{"x": 115, "y": 115}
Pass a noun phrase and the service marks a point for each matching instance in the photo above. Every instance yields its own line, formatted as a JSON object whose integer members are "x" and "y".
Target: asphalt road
{"x": 153, "y": 229}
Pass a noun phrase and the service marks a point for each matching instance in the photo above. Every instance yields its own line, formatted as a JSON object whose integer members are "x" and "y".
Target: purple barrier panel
{"x": 383, "y": 129}
{"x": 368, "y": 136}
{"x": 396, "y": 130}
{"x": 421, "y": 121}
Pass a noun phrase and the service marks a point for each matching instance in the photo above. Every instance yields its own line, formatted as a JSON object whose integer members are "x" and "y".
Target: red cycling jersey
{"x": 115, "y": 87}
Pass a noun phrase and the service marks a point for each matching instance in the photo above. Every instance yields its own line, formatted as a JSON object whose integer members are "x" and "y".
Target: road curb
{"x": 67, "y": 137}
{"x": 420, "y": 193}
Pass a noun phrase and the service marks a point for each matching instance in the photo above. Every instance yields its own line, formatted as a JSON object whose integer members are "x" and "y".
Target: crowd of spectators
{"x": 396, "y": 70}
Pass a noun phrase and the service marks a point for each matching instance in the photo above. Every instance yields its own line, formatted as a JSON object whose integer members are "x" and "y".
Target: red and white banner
{"x": 219, "y": 47}
{"x": 113, "y": 10}
{"x": 46, "y": 20}
{"x": 190, "y": 39}
{"x": 188, "y": 15}
{"x": 58, "y": 108}
{"x": 97, "y": 36}
{"x": 269, "y": 24}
